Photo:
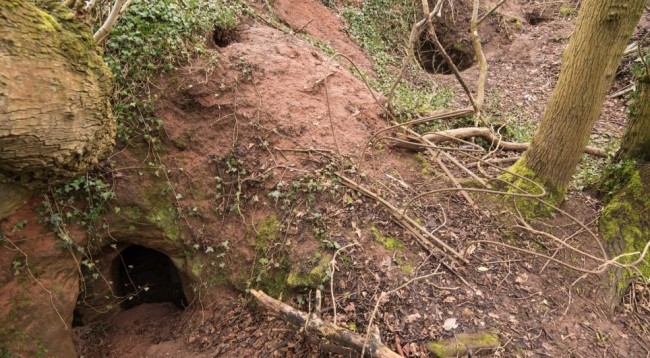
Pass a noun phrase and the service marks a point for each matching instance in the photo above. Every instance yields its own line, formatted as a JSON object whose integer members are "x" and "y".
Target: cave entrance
{"x": 144, "y": 275}
{"x": 460, "y": 52}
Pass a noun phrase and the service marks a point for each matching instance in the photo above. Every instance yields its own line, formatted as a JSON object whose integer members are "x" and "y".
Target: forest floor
{"x": 537, "y": 307}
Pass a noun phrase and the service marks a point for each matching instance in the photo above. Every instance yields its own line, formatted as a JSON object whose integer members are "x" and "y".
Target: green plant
{"x": 382, "y": 28}
{"x": 153, "y": 37}
{"x": 81, "y": 201}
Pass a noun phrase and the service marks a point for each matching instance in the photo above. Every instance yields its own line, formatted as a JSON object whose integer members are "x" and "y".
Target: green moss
{"x": 161, "y": 211}
{"x": 625, "y": 224}
{"x": 530, "y": 207}
{"x": 133, "y": 212}
{"x": 516, "y": 22}
{"x": 389, "y": 242}
{"x": 424, "y": 163}
{"x": 407, "y": 268}
{"x": 463, "y": 343}
{"x": 49, "y": 23}
{"x": 273, "y": 265}
{"x": 568, "y": 11}
{"x": 315, "y": 277}
{"x": 267, "y": 232}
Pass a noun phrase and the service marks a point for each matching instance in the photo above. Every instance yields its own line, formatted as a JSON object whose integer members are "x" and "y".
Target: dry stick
{"x": 450, "y": 63}
{"x": 490, "y": 12}
{"x": 557, "y": 250}
{"x": 381, "y": 298}
{"x": 402, "y": 217}
{"x": 538, "y": 198}
{"x": 29, "y": 271}
{"x": 332, "y": 268}
{"x": 487, "y": 134}
{"x": 493, "y": 150}
{"x": 482, "y": 63}
{"x": 438, "y": 116}
{"x": 327, "y": 330}
{"x": 411, "y": 44}
{"x": 444, "y": 167}
{"x": 329, "y": 114}
{"x": 580, "y": 223}
{"x": 600, "y": 268}
{"x": 528, "y": 228}
{"x": 495, "y": 161}
{"x": 409, "y": 144}
{"x": 106, "y": 27}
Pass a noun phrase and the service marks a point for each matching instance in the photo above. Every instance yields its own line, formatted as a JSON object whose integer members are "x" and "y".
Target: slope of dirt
{"x": 278, "y": 111}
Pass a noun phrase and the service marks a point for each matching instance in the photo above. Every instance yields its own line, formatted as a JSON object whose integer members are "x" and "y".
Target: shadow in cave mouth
{"x": 146, "y": 276}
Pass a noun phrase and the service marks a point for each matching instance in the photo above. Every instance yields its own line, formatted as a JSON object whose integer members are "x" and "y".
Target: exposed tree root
{"x": 329, "y": 331}
{"x": 481, "y": 132}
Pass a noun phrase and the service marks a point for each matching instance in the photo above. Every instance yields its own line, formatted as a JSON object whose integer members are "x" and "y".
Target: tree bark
{"x": 589, "y": 63}
{"x": 624, "y": 222}
{"x": 55, "y": 113}
{"x": 636, "y": 141}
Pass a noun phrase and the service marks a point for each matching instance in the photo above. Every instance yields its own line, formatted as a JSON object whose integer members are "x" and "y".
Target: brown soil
{"x": 285, "y": 111}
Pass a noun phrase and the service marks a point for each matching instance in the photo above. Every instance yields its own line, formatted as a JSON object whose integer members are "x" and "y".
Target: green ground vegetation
{"x": 382, "y": 28}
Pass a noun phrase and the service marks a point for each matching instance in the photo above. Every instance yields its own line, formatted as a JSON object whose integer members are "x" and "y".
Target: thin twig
{"x": 332, "y": 269}
{"x": 490, "y": 12}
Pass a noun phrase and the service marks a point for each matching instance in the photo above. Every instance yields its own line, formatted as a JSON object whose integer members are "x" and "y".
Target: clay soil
{"x": 266, "y": 103}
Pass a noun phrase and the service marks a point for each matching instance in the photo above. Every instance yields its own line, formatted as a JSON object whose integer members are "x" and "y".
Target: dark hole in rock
{"x": 433, "y": 61}
{"x": 145, "y": 276}
{"x": 224, "y": 37}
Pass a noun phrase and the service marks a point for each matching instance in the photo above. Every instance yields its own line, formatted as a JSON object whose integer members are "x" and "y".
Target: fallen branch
{"x": 329, "y": 331}
{"x": 484, "y": 133}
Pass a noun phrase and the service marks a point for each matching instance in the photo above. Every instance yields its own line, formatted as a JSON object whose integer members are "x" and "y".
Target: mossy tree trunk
{"x": 636, "y": 141}
{"x": 625, "y": 219}
{"x": 589, "y": 63}
{"x": 55, "y": 114}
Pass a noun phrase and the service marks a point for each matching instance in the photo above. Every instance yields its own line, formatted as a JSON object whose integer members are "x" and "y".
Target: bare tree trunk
{"x": 55, "y": 114}
{"x": 602, "y": 31}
